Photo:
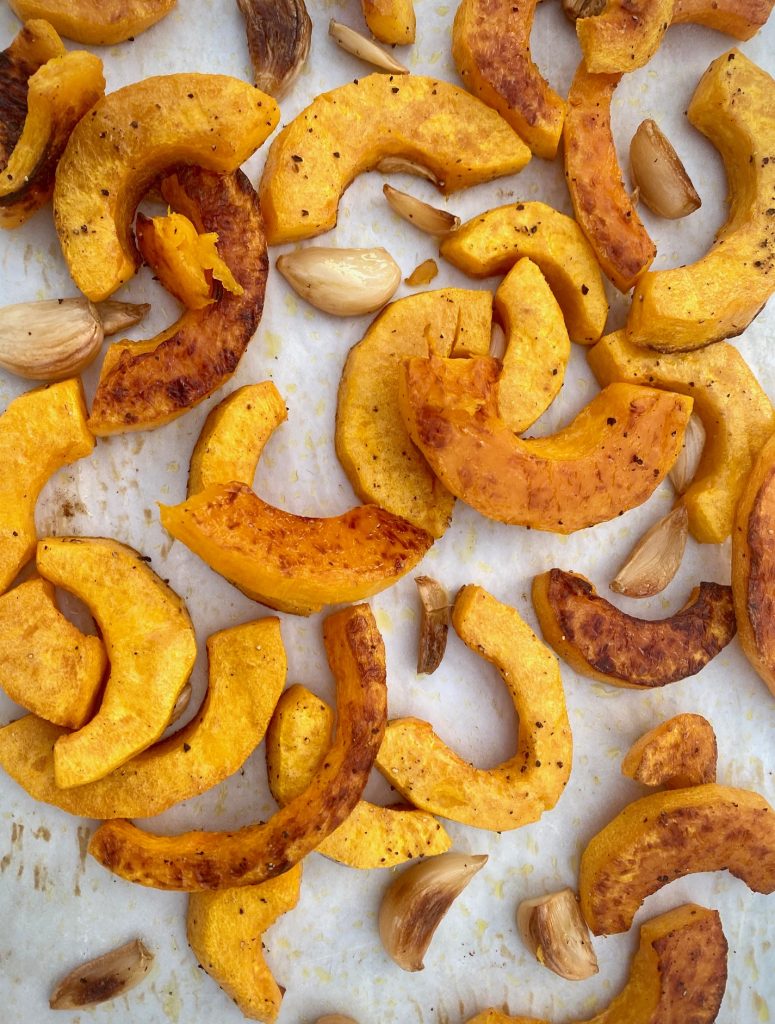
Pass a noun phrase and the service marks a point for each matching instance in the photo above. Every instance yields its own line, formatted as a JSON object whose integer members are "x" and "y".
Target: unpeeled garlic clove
{"x": 686, "y": 465}
{"x": 118, "y": 316}
{"x": 181, "y": 704}
{"x": 656, "y": 558}
{"x": 401, "y": 165}
{"x": 415, "y": 903}
{"x": 427, "y": 218}
{"x": 557, "y": 935}
{"x": 434, "y": 624}
{"x": 107, "y": 977}
{"x": 49, "y": 340}
{"x": 575, "y": 9}
{"x": 365, "y": 49}
{"x": 344, "y": 282}
{"x": 279, "y": 34}
{"x": 658, "y": 174}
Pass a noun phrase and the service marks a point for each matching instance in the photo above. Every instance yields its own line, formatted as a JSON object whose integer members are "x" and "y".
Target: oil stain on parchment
{"x": 17, "y": 838}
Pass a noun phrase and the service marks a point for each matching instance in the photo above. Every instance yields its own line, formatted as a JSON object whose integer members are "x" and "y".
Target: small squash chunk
{"x": 146, "y": 384}
{"x": 233, "y": 437}
{"x": 739, "y": 18}
{"x": 753, "y": 566}
{"x": 133, "y": 135}
{"x": 47, "y": 665}
{"x": 391, "y": 21}
{"x": 678, "y": 753}
{"x": 601, "y": 203}
{"x": 666, "y": 835}
{"x": 180, "y": 257}
{"x": 491, "y": 48}
{"x": 298, "y": 739}
{"x": 225, "y": 931}
{"x": 608, "y": 460}
{"x": 537, "y": 346}
{"x": 151, "y": 648}
{"x": 197, "y": 861}
{"x": 494, "y": 241}
{"x": 737, "y": 415}
{"x": 246, "y": 676}
{"x": 425, "y": 771}
{"x": 40, "y": 431}
{"x": 720, "y": 294}
{"x": 95, "y": 22}
{"x": 624, "y": 36}
{"x": 602, "y": 642}
{"x": 349, "y": 130}
{"x": 372, "y": 444}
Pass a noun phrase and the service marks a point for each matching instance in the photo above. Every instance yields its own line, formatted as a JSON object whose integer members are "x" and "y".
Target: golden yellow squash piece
{"x": 197, "y": 861}
{"x": 151, "y": 648}
{"x": 670, "y": 834}
{"x": 426, "y": 772}
{"x": 739, "y": 18}
{"x": 372, "y": 444}
{"x": 625, "y": 36}
{"x": 225, "y": 931}
{"x": 40, "y": 432}
{"x": 349, "y": 130}
{"x": 491, "y": 48}
{"x": 47, "y": 665}
{"x": 720, "y": 294}
{"x": 737, "y": 415}
{"x": 391, "y": 21}
{"x": 246, "y": 676}
{"x": 494, "y": 241}
{"x": 298, "y": 739}
{"x": 608, "y": 460}
{"x": 131, "y": 136}
{"x": 95, "y": 22}
{"x": 676, "y": 754}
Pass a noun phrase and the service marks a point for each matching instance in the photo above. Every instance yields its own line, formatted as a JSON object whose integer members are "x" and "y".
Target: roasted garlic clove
{"x": 656, "y": 558}
{"x": 279, "y": 35}
{"x": 181, "y": 704}
{"x": 434, "y": 624}
{"x": 344, "y": 282}
{"x": 49, "y": 340}
{"x": 582, "y": 8}
{"x": 688, "y": 461}
{"x": 658, "y": 174}
{"x": 427, "y": 218}
{"x": 401, "y": 165}
{"x": 118, "y": 316}
{"x": 556, "y": 933}
{"x": 107, "y": 977}
{"x": 365, "y": 49}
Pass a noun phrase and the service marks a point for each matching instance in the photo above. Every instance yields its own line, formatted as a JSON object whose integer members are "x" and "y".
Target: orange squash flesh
{"x": 739, "y": 18}
{"x": 95, "y": 22}
{"x": 625, "y": 36}
{"x": 391, "y": 21}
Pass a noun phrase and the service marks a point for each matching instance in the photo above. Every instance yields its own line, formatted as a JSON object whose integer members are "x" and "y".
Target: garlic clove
{"x": 181, "y": 704}
{"x": 658, "y": 174}
{"x": 49, "y": 340}
{"x": 656, "y": 558}
{"x": 427, "y": 218}
{"x": 556, "y": 933}
{"x": 279, "y": 35}
{"x": 119, "y": 316}
{"x": 365, "y": 49}
{"x": 434, "y": 624}
{"x": 400, "y": 165}
{"x": 415, "y": 903}
{"x": 575, "y": 9}
{"x": 107, "y": 977}
{"x": 686, "y": 465}
{"x": 344, "y": 282}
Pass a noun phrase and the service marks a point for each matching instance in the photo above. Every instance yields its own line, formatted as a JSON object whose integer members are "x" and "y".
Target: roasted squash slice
{"x": 625, "y": 36}
{"x": 603, "y": 208}
{"x": 678, "y": 753}
{"x": 670, "y": 834}
{"x": 737, "y": 415}
{"x": 197, "y": 861}
{"x": 298, "y": 740}
{"x": 131, "y": 137}
{"x": 491, "y": 48}
{"x": 151, "y": 648}
{"x": 391, "y": 21}
{"x": 425, "y": 771}
{"x": 720, "y": 294}
{"x": 608, "y": 460}
{"x": 145, "y": 384}
{"x": 95, "y": 22}
{"x": 494, "y": 241}
{"x": 246, "y": 676}
{"x": 351, "y": 129}
{"x": 739, "y": 18}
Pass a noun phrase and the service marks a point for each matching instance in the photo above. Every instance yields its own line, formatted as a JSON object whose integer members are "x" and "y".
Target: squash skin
{"x": 625, "y": 36}
{"x": 720, "y": 294}
{"x": 491, "y": 49}
{"x": 391, "y": 21}
{"x": 602, "y": 206}
{"x": 462, "y": 141}
{"x": 739, "y": 18}
{"x": 95, "y": 22}
{"x": 676, "y": 754}
{"x": 132, "y": 136}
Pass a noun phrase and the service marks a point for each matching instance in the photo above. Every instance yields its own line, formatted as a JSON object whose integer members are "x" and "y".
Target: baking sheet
{"x": 59, "y": 907}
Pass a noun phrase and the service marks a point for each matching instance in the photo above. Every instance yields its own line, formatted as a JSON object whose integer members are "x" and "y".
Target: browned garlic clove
{"x": 656, "y": 558}
{"x": 658, "y": 174}
{"x": 557, "y": 935}
{"x": 107, "y": 977}
{"x": 582, "y": 8}
{"x": 364, "y": 49}
{"x": 427, "y": 218}
{"x": 344, "y": 282}
{"x": 119, "y": 316}
{"x": 279, "y": 35}
{"x": 434, "y": 624}
{"x": 400, "y": 165}
{"x": 686, "y": 465}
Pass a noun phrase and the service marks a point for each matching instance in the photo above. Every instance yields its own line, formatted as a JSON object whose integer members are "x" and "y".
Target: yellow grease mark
{"x": 762, "y": 1008}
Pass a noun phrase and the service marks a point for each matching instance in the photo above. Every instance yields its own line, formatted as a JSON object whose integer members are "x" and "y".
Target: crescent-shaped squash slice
{"x": 720, "y": 294}
{"x": 426, "y": 772}
{"x": 666, "y": 835}
{"x": 95, "y": 22}
{"x": 737, "y": 415}
{"x": 678, "y": 974}
{"x": 678, "y": 753}
{"x": 132, "y": 136}
{"x": 494, "y": 241}
{"x": 739, "y": 18}
{"x": 298, "y": 740}
{"x": 491, "y": 48}
{"x": 150, "y": 643}
{"x": 246, "y": 676}
{"x": 624, "y": 36}
{"x": 146, "y": 384}
{"x": 603, "y": 207}
{"x": 40, "y": 431}
{"x": 225, "y": 931}
{"x": 349, "y": 130}
{"x": 608, "y": 460}
{"x": 391, "y": 21}
{"x": 602, "y": 642}
{"x": 372, "y": 444}
{"x": 197, "y": 861}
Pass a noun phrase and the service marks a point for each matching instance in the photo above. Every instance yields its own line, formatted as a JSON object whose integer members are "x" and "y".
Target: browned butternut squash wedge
{"x": 602, "y": 206}
{"x": 391, "y": 21}
{"x": 608, "y": 460}
{"x": 198, "y": 861}
{"x": 676, "y": 754}
{"x": 624, "y": 36}
{"x": 739, "y": 18}
{"x": 666, "y": 835}
{"x": 349, "y": 130}
{"x": 602, "y": 642}
{"x": 491, "y": 48}
{"x": 720, "y": 294}
{"x": 95, "y": 22}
